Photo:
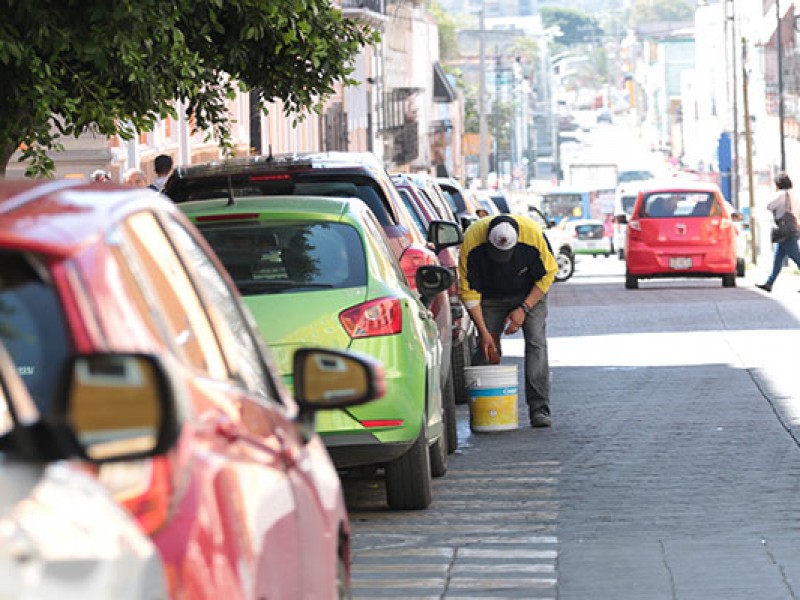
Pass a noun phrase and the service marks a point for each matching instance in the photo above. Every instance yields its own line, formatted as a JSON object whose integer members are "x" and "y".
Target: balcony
{"x": 370, "y": 12}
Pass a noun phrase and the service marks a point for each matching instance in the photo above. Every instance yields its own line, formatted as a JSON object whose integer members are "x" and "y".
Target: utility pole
{"x": 779, "y": 49}
{"x": 482, "y": 125}
{"x": 735, "y": 88}
{"x": 749, "y": 151}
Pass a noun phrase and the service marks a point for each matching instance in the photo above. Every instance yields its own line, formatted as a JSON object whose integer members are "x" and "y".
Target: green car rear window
{"x": 281, "y": 257}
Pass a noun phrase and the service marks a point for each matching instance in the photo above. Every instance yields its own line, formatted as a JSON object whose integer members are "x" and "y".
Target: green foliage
{"x": 448, "y": 33}
{"x": 116, "y": 67}
{"x": 576, "y": 26}
{"x": 650, "y": 11}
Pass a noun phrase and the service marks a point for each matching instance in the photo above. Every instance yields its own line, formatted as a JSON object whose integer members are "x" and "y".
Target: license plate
{"x": 680, "y": 263}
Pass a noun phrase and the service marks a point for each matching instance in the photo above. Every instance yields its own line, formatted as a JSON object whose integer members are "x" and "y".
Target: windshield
{"x": 280, "y": 257}
{"x": 32, "y": 326}
{"x": 558, "y": 206}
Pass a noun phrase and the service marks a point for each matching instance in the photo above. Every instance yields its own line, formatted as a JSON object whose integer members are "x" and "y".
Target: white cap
{"x": 502, "y": 240}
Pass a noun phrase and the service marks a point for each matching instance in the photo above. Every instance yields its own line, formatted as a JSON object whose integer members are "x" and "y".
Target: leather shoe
{"x": 540, "y": 420}
{"x": 767, "y": 287}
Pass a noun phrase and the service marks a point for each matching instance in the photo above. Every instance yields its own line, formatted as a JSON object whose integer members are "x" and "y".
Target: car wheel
{"x": 566, "y": 266}
{"x": 460, "y": 360}
{"x": 740, "y": 267}
{"x": 342, "y": 581}
{"x": 438, "y": 455}
{"x": 631, "y": 282}
{"x": 729, "y": 280}
{"x": 621, "y": 254}
{"x": 408, "y": 477}
{"x": 450, "y": 418}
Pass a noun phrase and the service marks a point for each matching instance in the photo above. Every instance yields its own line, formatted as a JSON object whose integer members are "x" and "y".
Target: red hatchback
{"x": 248, "y": 504}
{"x": 681, "y": 229}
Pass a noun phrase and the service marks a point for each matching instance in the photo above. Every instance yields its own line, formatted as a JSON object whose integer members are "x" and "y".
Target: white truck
{"x": 591, "y": 175}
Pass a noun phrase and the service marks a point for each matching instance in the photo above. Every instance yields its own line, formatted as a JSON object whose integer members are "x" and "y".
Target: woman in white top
{"x": 787, "y": 247}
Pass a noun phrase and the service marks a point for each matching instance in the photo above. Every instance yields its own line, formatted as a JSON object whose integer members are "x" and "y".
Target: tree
{"x": 650, "y": 11}
{"x": 69, "y": 66}
{"x": 576, "y": 26}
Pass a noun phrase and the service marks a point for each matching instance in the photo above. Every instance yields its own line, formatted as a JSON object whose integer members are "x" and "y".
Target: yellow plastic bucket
{"x": 492, "y": 392}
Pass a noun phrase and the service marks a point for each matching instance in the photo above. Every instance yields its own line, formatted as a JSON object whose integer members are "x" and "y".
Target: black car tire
{"x": 566, "y": 266}
{"x": 741, "y": 267}
{"x": 631, "y": 282}
{"x": 729, "y": 280}
{"x": 461, "y": 359}
{"x": 449, "y": 414}
{"x": 408, "y": 477}
{"x": 438, "y": 453}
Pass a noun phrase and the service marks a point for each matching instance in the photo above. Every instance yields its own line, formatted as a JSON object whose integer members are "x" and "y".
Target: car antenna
{"x": 231, "y": 201}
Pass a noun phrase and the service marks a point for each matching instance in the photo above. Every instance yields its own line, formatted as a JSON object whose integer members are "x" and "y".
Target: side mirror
{"x": 466, "y": 222}
{"x": 444, "y": 234}
{"x": 621, "y": 220}
{"x": 117, "y": 406}
{"x": 431, "y": 280}
{"x": 737, "y": 217}
{"x": 327, "y": 378}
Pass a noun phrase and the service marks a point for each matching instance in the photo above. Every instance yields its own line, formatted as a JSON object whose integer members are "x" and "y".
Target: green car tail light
{"x": 382, "y": 316}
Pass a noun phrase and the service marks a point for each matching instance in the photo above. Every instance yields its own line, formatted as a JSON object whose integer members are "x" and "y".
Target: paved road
{"x": 672, "y": 470}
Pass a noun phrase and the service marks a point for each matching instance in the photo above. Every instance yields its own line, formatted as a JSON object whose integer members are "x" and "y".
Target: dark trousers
{"x": 537, "y": 366}
{"x": 784, "y": 249}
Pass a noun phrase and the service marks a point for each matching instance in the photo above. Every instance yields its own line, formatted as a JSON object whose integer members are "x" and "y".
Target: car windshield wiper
{"x": 255, "y": 287}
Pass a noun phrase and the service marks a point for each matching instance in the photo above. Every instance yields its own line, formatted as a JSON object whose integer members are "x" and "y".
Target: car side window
{"x": 183, "y": 313}
{"x": 379, "y": 245}
{"x": 235, "y": 329}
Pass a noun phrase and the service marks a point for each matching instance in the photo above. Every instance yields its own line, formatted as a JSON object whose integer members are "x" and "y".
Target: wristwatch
{"x": 524, "y": 308}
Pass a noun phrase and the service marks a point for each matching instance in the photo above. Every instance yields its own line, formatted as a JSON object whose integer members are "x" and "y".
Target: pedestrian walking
{"x": 506, "y": 268}
{"x": 163, "y": 167}
{"x": 785, "y": 246}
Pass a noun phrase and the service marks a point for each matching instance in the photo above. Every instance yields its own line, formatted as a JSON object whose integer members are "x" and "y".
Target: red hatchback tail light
{"x": 383, "y": 316}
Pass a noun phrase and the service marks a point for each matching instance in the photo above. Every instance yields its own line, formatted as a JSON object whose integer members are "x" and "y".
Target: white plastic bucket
{"x": 492, "y": 392}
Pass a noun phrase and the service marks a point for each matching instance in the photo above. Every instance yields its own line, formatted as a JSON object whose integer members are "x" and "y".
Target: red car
{"x": 681, "y": 229}
{"x": 247, "y": 504}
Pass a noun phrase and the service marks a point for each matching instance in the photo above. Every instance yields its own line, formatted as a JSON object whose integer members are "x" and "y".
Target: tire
{"x": 621, "y": 254}
{"x": 631, "y": 282}
{"x": 741, "y": 267}
{"x": 566, "y": 266}
{"x": 729, "y": 280}
{"x": 461, "y": 359}
{"x": 438, "y": 455}
{"x": 408, "y": 477}
{"x": 343, "y": 591}
{"x": 450, "y": 417}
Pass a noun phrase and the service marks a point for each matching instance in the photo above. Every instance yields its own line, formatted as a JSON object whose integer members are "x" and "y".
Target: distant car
{"x": 589, "y": 237}
{"x": 486, "y": 205}
{"x": 62, "y": 535}
{"x": 603, "y": 116}
{"x": 681, "y": 229}
{"x": 498, "y": 198}
{"x": 560, "y": 241}
{"x": 87, "y": 269}
{"x": 463, "y": 206}
{"x": 319, "y": 272}
{"x": 632, "y": 175}
{"x": 624, "y": 199}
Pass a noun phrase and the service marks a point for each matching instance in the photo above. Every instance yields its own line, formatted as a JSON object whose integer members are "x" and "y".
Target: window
{"x": 241, "y": 349}
{"x": 32, "y": 325}
{"x": 183, "y": 313}
{"x": 284, "y": 257}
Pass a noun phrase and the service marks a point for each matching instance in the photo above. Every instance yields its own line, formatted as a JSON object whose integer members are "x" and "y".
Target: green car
{"x": 318, "y": 271}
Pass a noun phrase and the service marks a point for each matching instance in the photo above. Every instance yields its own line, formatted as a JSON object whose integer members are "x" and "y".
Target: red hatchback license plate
{"x": 680, "y": 263}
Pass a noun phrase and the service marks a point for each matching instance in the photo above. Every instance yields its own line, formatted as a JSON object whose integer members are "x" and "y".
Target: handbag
{"x": 785, "y": 226}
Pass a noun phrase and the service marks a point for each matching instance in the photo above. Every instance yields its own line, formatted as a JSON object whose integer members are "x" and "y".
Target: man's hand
{"x": 514, "y": 320}
{"x": 490, "y": 346}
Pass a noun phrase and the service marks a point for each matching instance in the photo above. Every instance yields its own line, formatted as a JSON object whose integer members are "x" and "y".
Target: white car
{"x": 62, "y": 536}
{"x": 560, "y": 243}
{"x": 589, "y": 237}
